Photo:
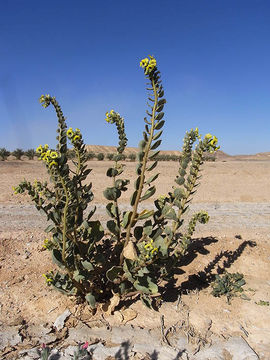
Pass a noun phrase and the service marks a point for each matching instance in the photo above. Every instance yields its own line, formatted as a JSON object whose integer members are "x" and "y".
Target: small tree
{"x": 109, "y": 156}
{"x": 18, "y": 153}
{"x": 90, "y": 155}
{"x": 132, "y": 157}
{"x": 4, "y": 154}
{"x": 30, "y": 153}
{"x": 100, "y": 156}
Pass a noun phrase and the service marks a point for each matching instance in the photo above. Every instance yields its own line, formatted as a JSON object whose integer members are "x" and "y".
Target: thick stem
{"x": 142, "y": 176}
{"x": 64, "y": 220}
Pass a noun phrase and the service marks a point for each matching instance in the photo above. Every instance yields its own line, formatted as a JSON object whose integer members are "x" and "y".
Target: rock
{"x": 236, "y": 348}
{"x": 157, "y": 351}
{"x": 100, "y": 352}
{"x": 60, "y": 321}
{"x": 9, "y": 336}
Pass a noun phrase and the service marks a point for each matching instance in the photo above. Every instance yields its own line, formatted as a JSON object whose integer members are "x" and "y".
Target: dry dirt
{"x": 236, "y": 194}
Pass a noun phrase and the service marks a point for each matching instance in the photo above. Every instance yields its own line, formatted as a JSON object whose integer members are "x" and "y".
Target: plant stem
{"x": 64, "y": 220}
{"x": 142, "y": 176}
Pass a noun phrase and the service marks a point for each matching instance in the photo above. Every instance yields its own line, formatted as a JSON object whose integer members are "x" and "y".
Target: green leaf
{"x": 155, "y": 137}
{"x": 149, "y": 192}
{"x": 137, "y": 183}
{"x": 169, "y": 213}
{"x": 159, "y": 116}
{"x": 111, "y": 172}
{"x": 162, "y": 102}
{"x": 113, "y": 227}
{"x": 91, "y": 300}
{"x": 112, "y": 193}
{"x": 148, "y": 227}
{"x": 161, "y": 93}
{"x": 126, "y": 219}
{"x": 57, "y": 258}
{"x": 113, "y": 273}
{"x": 111, "y": 210}
{"x": 179, "y": 193}
{"x": 153, "y": 155}
{"x": 145, "y": 214}
{"x": 146, "y": 285}
{"x": 49, "y": 228}
{"x": 179, "y": 180}
{"x": 133, "y": 198}
{"x": 138, "y": 231}
{"x": 143, "y": 271}
{"x": 159, "y": 108}
{"x": 152, "y": 178}
{"x": 162, "y": 245}
{"x": 156, "y": 144}
{"x": 159, "y": 124}
{"x": 77, "y": 276}
{"x": 152, "y": 166}
{"x": 87, "y": 265}
{"x": 138, "y": 168}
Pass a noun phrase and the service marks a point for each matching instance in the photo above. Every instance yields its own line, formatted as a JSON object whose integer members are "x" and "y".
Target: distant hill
{"x": 220, "y": 155}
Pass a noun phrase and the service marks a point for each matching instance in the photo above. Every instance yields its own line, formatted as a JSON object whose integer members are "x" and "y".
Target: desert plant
{"x": 30, "y": 153}
{"x": 100, "y": 156}
{"x": 90, "y": 155}
{"x": 18, "y": 153}
{"x": 145, "y": 245}
{"x": 132, "y": 157}
{"x": 109, "y": 156}
{"x": 228, "y": 285}
{"x": 4, "y": 154}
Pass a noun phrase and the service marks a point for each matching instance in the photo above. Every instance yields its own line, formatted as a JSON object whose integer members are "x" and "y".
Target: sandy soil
{"x": 237, "y": 239}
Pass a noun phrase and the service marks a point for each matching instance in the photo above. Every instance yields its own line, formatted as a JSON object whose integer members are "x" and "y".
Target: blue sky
{"x": 214, "y": 58}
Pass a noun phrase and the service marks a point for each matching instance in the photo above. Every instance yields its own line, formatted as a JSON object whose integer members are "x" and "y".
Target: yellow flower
{"x": 154, "y": 251}
{"x": 48, "y": 279}
{"x": 46, "y": 147}
{"x": 70, "y": 133}
{"x": 39, "y": 149}
{"x": 54, "y": 155}
{"x": 144, "y": 62}
{"x": 208, "y": 136}
{"x": 53, "y": 163}
{"x": 76, "y": 137}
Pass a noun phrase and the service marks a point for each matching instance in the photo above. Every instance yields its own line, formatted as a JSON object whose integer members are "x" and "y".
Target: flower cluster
{"x": 48, "y": 244}
{"x": 48, "y": 156}
{"x": 148, "y": 65}
{"x": 211, "y": 142}
{"x": 45, "y": 100}
{"x": 74, "y": 136}
{"x": 150, "y": 249}
{"x": 48, "y": 277}
{"x": 113, "y": 117}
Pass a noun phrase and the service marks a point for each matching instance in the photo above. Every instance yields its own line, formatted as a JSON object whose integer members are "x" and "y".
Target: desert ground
{"x": 235, "y": 192}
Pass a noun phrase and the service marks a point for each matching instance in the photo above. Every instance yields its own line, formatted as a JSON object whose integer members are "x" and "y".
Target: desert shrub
{"x": 90, "y": 155}
{"x": 30, "y": 153}
{"x": 132, "y": 157}
{"x": 145, "y": 246}
{"x": 174, "y": 157}
{"x": 4, "y": 154}
{"x": 18, "y": 153}
{"x": 228, "y": 285}
{"x": 100, "y": 156}
{"x": 109, "y": 156}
